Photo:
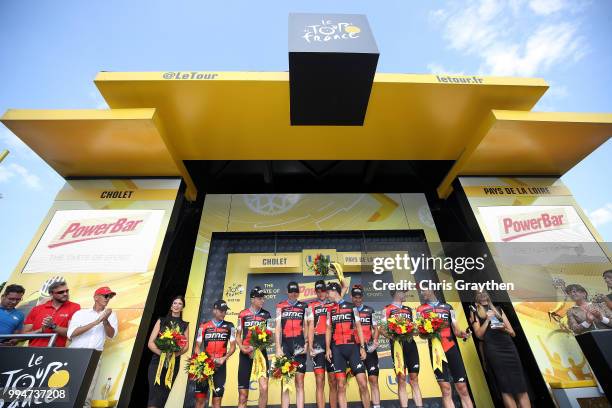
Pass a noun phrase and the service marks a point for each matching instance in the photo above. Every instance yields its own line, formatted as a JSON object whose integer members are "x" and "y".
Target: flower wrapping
{"x": 428, "y": 326}
{"x": 169, "y": 341}
{"x": 259, "y": 337}
{"x": 284, "y": 369}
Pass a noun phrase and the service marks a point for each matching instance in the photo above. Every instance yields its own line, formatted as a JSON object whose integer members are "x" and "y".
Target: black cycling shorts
{"x": 289, "y": 345}
{"x": 411, "y": 356}
{"x": 201, "y": 390}
{"x": 347, "y": 355}
{"x": 245, "y": 365}
{"x": 454, "y": 370}
{"x": 319, "y": 362}
{"x": 371, "y": 363}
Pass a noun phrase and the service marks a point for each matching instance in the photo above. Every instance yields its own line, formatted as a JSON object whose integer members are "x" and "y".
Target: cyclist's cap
{"x": 320, "y": 285}
{"x": 293, "y": 287}
{"x": 335, "y": 286}
{"x": 357, "y": 290}
{"x": 257, "y": 292}
{"x": 221, "y": 305}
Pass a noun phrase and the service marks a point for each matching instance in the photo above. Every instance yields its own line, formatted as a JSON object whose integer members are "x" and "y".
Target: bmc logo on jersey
{"x": 341, "y": 317}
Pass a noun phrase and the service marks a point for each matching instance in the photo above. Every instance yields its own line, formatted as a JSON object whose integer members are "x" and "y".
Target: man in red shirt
{"x": 52, "y": 316}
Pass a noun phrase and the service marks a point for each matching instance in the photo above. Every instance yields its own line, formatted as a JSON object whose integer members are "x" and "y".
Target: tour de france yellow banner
{"x": 272, "y": 271}
{"x": 101, "y": 233}
{"x": 517, "y": 215}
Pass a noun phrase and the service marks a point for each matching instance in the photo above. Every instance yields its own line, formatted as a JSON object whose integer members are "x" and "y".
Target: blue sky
{"x": 50, "y": 52}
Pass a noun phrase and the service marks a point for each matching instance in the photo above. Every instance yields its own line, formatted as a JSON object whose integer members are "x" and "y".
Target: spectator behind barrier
{"x": 11, "y": 319}
{"x": 52, "y": 316}
{"x": 89, "y": 328}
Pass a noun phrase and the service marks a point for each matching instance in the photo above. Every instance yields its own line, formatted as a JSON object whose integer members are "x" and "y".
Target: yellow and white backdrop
{"x": 101, "y": 233}
{"x": 507, "y": 211}
{"x": 313, "y": 212}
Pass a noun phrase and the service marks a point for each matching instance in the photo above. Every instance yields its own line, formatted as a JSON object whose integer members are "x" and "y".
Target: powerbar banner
{"x": 317, "y": 215}
{"x": 101, "y": 233}
{"x": 540, "y": 237}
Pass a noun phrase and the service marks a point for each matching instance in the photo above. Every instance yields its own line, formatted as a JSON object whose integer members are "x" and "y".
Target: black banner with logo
{"x": 45, "y": 377}
{"x": 332, "y": 61}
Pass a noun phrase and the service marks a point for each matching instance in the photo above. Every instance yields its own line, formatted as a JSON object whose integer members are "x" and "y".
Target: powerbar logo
{"x": 520, "y": 225}
{"x": 97, "y": 228}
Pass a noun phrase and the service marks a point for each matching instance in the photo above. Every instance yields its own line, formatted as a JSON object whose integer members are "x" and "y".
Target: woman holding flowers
{"x": 167, "y": 341}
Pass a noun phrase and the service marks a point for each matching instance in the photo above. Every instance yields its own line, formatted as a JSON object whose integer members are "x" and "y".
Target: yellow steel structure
{"x": 159, "y": 119}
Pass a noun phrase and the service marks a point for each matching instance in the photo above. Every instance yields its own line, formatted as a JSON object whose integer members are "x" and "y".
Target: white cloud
{"x": 499, "y": 33}
{"x": 548, "y": 46}
{"x": 436, "y": 68}
{"x": 471, "y": 27}
{"x": 12, "y": 170}
{"x": 5, "y": 174}
{"x": 546, "y": 7}
{"x": 601, "y": 215}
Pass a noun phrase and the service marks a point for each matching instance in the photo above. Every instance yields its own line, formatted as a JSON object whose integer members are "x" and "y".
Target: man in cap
{"x": 369, "y": 327}
{"x": 89, "y": 328}
{"x": 217, "y": 338}
{"x": 249, "y": 317}
{"x": 317, "y": 326}
{"x": 291, "y": 338}
{"x": 344, "y": 343}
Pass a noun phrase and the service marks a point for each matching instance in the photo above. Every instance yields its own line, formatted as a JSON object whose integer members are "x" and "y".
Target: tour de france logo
{"x": 271, "y": 204}
{"x": 38, "y": 382}
{"x": 330, "y": 31}
{"x": 234, "y": 290}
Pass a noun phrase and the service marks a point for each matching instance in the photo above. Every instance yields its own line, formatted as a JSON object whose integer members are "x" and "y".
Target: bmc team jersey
{"x": 248, "y": 318}
{"x": 318, "y": 313}
{"x": 215, "y": 337}
{"x": 396, "y": 310}
{"x": 342, "y": 316}
{"x": 291, "y": 318}
{"x": 446, "y": 312}
{"x": 368, "y": 325}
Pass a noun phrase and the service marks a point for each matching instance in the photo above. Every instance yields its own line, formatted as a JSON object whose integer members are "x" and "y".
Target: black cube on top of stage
{"x": 332, "y": 62}
{"x": 597, "y": 347}
{"x": 46, "y": 376}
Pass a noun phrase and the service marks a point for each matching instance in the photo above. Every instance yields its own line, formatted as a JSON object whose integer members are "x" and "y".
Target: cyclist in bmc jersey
{"x": 343, "y": 326}
{"x": 409, "y": 350}
{"x": 369, "y": 328}
{"x": 291, "y": 334}
{"x": 317, "y": 326}
{"x": 217, "y": 338}
{"x": 454, "y": 367}
{"x": 247, "y": 318}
